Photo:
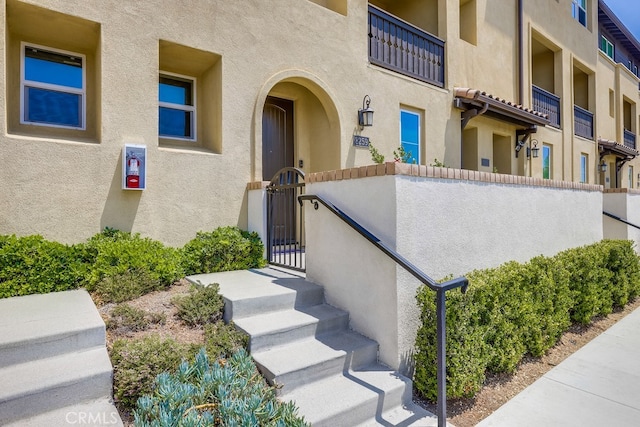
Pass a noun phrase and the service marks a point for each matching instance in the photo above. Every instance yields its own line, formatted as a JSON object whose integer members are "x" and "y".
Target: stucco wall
{"x": 626, "y": 205}
{"x": 66, "y": 184}
{"x": 443, "y": 226}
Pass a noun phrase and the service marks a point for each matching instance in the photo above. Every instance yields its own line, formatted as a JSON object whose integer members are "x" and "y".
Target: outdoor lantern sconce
{"x": 533, "y": 151}
{"x": 365, "y": 115}
{"x": 602, "y": 166}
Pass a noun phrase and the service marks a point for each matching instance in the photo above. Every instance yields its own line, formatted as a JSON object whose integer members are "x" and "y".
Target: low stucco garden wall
{"x": 624, "y": 203}
{"x": 446, "y": 222}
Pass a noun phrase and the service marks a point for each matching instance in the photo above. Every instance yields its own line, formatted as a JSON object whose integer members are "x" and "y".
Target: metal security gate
{"x": 285, "y": 219}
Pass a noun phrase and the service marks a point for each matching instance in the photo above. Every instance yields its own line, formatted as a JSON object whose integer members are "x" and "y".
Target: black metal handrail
{"x": 399, "y": 46}
{"x": 629, "y": 139}
{"x": 440, "y": 288}
{"x": 583, "y": 122}
{"x": 617, "y": 218}
{"x": 547, "y": 103}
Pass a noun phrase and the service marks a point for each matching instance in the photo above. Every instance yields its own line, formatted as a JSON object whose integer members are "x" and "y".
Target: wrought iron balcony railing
{"x": 629, "y": 139}
{"x": 399, "y": 46}
{"x": 583, "y": 122}
{"x": 547, "y": 103}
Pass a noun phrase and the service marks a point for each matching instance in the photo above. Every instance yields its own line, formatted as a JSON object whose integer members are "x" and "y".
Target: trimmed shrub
{"x": 590, "y": 281}
{"x": 122, "y": 258}
{"x": 203, "y": 305}
{"x": 224, "y": 249}
{"x": 222, "y": 340}
{"x": 126, "y": 286}
{"x": 220, "y": 393}
{"x": 517, "y": 309}
{"x": 136, "y": 363}
{"x": 33, "y": 265}
{"x": 133, "y": 319}
{"x": 466, "y": 361}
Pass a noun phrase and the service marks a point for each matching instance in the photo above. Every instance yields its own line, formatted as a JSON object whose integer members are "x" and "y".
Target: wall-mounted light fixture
{"x": 533, "y": 151}
{"x": 522, "y": 136}
{"x": 602, "y": 167}
{"x": 365, "y": 114}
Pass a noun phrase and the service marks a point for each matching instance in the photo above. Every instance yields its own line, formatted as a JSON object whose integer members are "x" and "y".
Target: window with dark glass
{"x": 53, "y": 87}
{"x": 579, "y": 11}
{"x": 606, "y": 46}
{"x": 177, "y": 107}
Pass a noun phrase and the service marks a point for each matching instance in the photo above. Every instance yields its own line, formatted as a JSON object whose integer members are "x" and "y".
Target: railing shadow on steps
{"x": 439, "y": 288}
{"x": 617, "y": 218}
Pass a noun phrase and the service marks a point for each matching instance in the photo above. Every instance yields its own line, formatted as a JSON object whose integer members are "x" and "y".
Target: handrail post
{"x": 440, "y": 288}
{"x": 441, "y": 325}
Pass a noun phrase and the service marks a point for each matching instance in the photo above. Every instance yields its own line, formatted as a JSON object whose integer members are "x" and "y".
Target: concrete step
{"x": 100, "y": 412}
{"x": 40, "y": 386}
{"x": 41, "y": 326}
{"x": 309, "y": 360}
{"x": 282, "y": 327}
{"x": 260, "y": 291}
{"x": 368, "y": 396}
{"x": 405, "y": 416}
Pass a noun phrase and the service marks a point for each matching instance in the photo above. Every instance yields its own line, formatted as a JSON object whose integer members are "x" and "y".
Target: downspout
{"x": 520, "y": 55}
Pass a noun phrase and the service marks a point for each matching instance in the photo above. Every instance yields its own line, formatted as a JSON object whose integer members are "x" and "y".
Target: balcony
{"x": 629, "y": 139}
{"x": 399, "y": 46}
{"x": 547, "y": 103}
{"x": 583, "y": 122}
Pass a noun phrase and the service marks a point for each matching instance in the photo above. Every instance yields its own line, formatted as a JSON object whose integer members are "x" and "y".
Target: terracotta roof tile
{"x": 476, "y": 94}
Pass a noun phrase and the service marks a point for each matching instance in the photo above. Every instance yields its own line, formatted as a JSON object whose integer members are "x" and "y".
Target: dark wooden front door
{"x": 277, "y": 153}
{"x": 277, "y": 136}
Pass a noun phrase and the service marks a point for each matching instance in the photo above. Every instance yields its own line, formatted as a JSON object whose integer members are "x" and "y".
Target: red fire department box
{"x": 134, "y": 167}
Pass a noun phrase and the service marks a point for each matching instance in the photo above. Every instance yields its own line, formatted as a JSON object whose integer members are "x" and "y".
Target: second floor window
{"x": 177, "y": 109}
{"x": 606, "y": 46}
{"x": 579, "y": 11}
{"x": 584, "y": 164}
{"x": 53, "y": 87}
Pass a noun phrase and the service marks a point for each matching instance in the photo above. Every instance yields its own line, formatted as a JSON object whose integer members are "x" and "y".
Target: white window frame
{"x": 547, "y": 147}
{"x": 609, "y": 44}
{"x": 576, "y": 7}
{"x": 191, "y": 108}
{"x": 584, "y": 168}
{"x": 48, "y": 86}
{"x": 419, "y": 116}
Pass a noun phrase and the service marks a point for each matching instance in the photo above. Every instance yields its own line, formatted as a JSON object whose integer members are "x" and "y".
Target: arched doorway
{"x": 297, "y": 125}
{"x": 298, "y": 132}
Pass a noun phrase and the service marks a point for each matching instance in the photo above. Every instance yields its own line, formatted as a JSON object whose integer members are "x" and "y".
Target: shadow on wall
{"x": 121, "y": 207}
{"x": 407, "y": 364}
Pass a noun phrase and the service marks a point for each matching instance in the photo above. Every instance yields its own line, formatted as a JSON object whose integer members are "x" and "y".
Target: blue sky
{"x": 628, "y": 12}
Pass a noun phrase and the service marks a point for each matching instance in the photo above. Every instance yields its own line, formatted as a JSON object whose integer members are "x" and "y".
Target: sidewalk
{"x": 599, "y": 385}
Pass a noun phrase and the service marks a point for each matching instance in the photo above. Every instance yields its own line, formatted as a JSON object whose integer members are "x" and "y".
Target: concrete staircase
{"x": 54, "y": 365}
{"x": 305, "y": 346}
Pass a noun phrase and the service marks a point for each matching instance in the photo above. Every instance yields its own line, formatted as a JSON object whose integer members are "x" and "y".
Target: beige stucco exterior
{"x": 445, "y": 222}
{"x": 623, "y": 203}
{"x": 66, "y": 184}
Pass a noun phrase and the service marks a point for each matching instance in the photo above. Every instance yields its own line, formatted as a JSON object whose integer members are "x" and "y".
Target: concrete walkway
{"x": 599, "y": 385}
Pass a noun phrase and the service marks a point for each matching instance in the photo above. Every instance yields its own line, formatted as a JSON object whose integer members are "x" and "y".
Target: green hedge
{"x": 119, "y": 266}
{"x": 32, "y": 264}
{"x": 519, "y": 309}
{"x": 115, "y": 253}
{"x": 224, "y": 249}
